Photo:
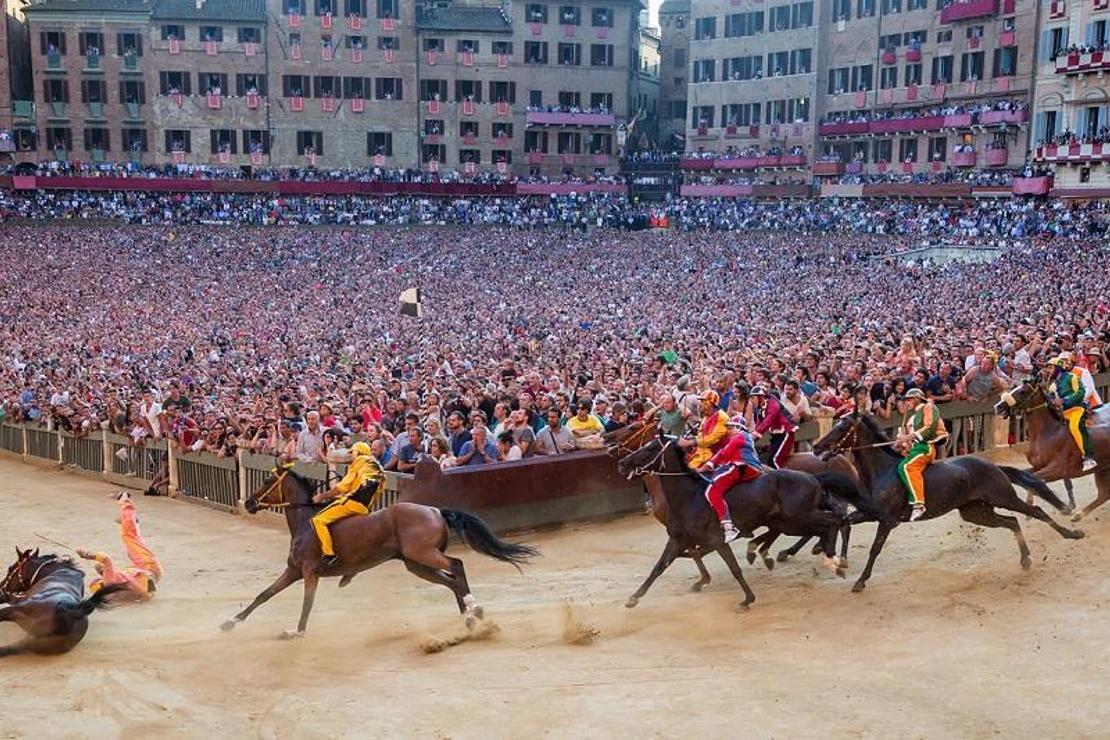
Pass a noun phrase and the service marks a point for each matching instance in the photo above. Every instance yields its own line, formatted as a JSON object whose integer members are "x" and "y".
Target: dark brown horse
{"x": 968, "y": 484}
{"x": 47, "y": 597}
{"x": 1051, "y": 450}
{"x": 414, "y": 534}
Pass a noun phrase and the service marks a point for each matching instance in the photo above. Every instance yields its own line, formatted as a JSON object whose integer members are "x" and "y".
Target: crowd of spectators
{"x": 951, "y": 109}
{"x": 1067, "y": 138}
{"x": 289, "y": 340}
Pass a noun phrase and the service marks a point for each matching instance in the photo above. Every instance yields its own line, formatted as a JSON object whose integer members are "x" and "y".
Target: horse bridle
{"x": 1008, "y": 398}
{"x": 842, "y": 445}
{"x": 647, "y": 468}
{"x": 261, "y": 500}
{"x": 4, "y": 586}
{"x": 625, "y": 448}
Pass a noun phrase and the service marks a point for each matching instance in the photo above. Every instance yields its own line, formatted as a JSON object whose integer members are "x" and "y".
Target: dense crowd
{"x": 289, "y": 340}
{"x": 952, "y": 109}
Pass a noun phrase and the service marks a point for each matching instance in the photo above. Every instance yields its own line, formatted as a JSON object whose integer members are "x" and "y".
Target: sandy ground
{"x": 951, "y": 639}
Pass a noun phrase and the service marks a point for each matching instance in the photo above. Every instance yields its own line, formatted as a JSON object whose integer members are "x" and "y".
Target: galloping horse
{"x": 414, "y": 534}
{"x": 783, "y": 500}
{"x": 1051, "y": 450}
{"x": 970, "y": 484}
{"x": 45, "y": 593}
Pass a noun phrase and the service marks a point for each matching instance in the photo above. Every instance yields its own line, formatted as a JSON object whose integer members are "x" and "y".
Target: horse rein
{"x": 48, "y": 560}
{"x": 279, "y": 480}
{"x": 645, "y": 468}
{"x": 842, "y": 445}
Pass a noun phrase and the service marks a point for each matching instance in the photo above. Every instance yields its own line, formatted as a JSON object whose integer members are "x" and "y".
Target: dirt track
{"x": 951, "y": 639}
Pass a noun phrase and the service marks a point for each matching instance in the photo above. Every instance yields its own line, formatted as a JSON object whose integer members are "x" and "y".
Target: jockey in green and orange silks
{"x": 1071, "y": 399}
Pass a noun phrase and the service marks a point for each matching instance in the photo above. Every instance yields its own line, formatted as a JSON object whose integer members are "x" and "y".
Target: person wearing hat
{"x": 771, "y": 419}
{"x": 920, "y": 433}
{"x": 1071, "y": 400}
{"x": 352, "y": 496}
{"x": 1091, "y": 395}
{"x": 735, "y": 463}
{"x": 713, "y": 432}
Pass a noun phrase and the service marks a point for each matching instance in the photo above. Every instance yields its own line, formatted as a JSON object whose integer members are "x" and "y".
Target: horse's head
{"x": 18, "y": 579}
{"x": 1026, "y": 397}
{"x": 280, "y": 490}
{"x": 625, "y": 440}
{"x": 841, "y": 438}
{"x": 651, "y": 458}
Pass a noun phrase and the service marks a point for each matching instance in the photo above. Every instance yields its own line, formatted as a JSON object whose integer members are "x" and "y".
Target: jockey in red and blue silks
{"x": 736, "y": 462}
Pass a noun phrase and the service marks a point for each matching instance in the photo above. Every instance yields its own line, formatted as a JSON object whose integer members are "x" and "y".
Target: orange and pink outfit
{"x": 147, "y": 571}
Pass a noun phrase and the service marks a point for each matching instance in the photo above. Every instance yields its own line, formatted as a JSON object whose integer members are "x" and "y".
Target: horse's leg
{"x": 311, "y": 581}
{"x": 845, "y": 535}
{"x": 285, "y": 580}
{"x": 768, "y": 561}
{"x": 881, "y": 534}
{"x": 455, "y": 580}
{"x": 1070, "y": 489}
{"x": 755, "y": 543}
{"x": 793, "y": 549}
{"x": 670, "y": 551}
{"x": 1010, "y": 501}
{"x": 704, "y": 578}
{"x": 984, "y": 515}
{"x": 20, "y": 648}
{"x": 730, "y": 560}
{"x": 1102, "y": 487}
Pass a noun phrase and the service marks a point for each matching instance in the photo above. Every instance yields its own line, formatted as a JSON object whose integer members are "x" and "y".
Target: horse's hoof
{"x": 783, "y": 556}
{"x": 1078, "y": 534}
{"x": 769, "y": 563}
{"x": 346, "y": 580}
{"x": 745, "y": 605}
{"x": 751, "y": 557}
{"x": 698, "y": 586}
{"x": 229, "y": 625}
{"x": 817, "y": 549}
{"x": 1026, "y": 563}
{"x": 632, "y": 601}
{"x": 1078, "y": 517}
{"x": 858, "y": 587}
{"x": 1068, "y": 509}
{"x": 842, "y": 572}
{"x": 291, "y": 634}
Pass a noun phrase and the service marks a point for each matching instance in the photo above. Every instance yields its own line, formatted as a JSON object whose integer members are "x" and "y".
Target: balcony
{"x": 544, "y": 118}
{"x": 1072, "y": 153}
{"x": 97, "y": 155}
{"x": 1073, "y": 64}
{"x": 889, "y": 57}
{"x": 53, "y": 60}
{"x": 997, "y": 157}
{"x": 913, "y": 55}
{"x": 743, "y": 163}
{"x": 968, "y": 9}
{"x": 96, "y": 109}
{"x": 1003, "y": 117}
{"x": 1032, "y": 185}
{"x": 827, "y": 169}
{"x": 963, "y": 159}
{"x": 843, "y": 129}
{"x": 130, "y": 63}
{"x": 57, "y": 109}
{"x": 907, "y": 125}
{"x": 132, "y": 109}
{"x": 92, "y": 61}
{"x": 958, "y": 120}
{"x": 23, "y": 108}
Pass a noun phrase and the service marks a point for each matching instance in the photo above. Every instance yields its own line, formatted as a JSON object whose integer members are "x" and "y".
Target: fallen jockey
{"x": 1071, "y": 400}
{"x": 142, "y": 579}
{"x": 354, "y": 495}
{"x": 736, "y": 462}
{"x": 918, "y": 438}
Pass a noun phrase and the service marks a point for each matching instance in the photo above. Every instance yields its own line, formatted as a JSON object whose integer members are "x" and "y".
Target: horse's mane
{"x": 309, "y": 484}
{"x": 877, "y": 431}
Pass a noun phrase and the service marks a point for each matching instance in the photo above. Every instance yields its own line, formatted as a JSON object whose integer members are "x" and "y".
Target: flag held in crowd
{"x": 411, "y": 304}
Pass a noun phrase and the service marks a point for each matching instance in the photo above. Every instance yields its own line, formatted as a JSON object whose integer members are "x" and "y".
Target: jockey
{"x": 1091, "y": 396}
{"x": 1071, "y": 400}
{"x": 921, "y": 432}
{"x": 354, "y": 495}
{"x": 139, "y": 580}
{"x": 735, "y": 463}
{"x": 771, "y": 418}
{"x": 713, "y": 433}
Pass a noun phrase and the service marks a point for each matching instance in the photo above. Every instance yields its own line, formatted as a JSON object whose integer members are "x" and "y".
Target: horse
{"x": 784, "y": 500}
{"x": 414, "y": 534}
{"x": 46, "y": 594}
{"x": 1051, "y": 450}
{"x": 627, "y": 439}
{"x": 969, "y": 484}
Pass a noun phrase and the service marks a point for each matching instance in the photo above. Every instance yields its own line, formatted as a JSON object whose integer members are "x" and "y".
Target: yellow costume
{"x": 714, "y": 430}
{"x": 357, "y": 492}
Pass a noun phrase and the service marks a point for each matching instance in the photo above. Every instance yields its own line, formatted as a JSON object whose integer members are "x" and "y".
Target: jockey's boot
{"x": 1089, "y": 463}
{"x": 328, "y": 561}
{"x": 731, "y": 532}
{"x": 918, "y": 512}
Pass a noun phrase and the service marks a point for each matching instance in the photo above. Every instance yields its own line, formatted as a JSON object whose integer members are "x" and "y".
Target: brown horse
{"x": 1051, "y": 450}
{"x": 414, "y": 534}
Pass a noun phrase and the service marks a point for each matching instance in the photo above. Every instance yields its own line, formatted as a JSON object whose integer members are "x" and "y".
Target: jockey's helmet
{"x": 915, "y": 393}
{"x": 709, "y": 397}
{"x": 360, "y": 449}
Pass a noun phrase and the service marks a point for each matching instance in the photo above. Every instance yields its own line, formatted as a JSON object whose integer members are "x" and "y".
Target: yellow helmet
{"x": 1060, "y": 361}
{"x": 360, "y": 449}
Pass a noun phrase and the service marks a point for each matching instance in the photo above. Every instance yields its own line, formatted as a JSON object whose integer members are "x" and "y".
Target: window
{"x": 389, "y": 42}
{"x": 892, "y": 6}
{"x": 59, "y": 137}
{"x": 1005, "y": 61}
{"x": 132, "y": 91}
{"x": 568, "y": 142}
{"x": 213, "y": 83}
{"x": 469, "y": 129}
{"x": 601, "y": 55}
{"x": 472, "y": 156}
{"x": 292, "y": 7}
{"x": 467, "y": 46}
{"x": 354, "y": 88}
{"x": 1098, "y": 32}
{"x": 502, "y": 92}
{"x": 917, "y": 4}
{"x": 570, "y": 15}
{"x": 841, "y": 9}
{"x": 888, "y": 77}
{"x": 570, "y": 99}
{"x": 93, "y": 91}
{"x": 295, "y": 86}
{"x": 601, "y": 101}
{"x": 250, "y": 83}
{"x": 862, "y": 77}
{"x": 502, "y": 130}
{"x": 739, "y": 25}
{"x": 680, "y": 58}
{"x": 601, "y": 143}
{"x": 780, "y": 18}
{"x": 310, "y": 142}
{"x": 882, "y": 149}
{"x": 838, "y": 80}
{"x": 705, "y": 70}
{"x": 90, "y": 43}
{"x": 1053, "y": 41}
{"x": 536, "y": 13}
{"x": 248, "y": 35}
{"x": 389, "y": 88}
{"x": 433, "y": 127}
{"x": 944, "y": 36}
{"x": 801, "y": 15}
{"x": 570, "y": 54}
{"x": 503, "y": 155}
{"x": 741, "y": 114}
{"x": 778, "y": 63}
{"x": 97, "y": 138}
{"x": 433, "y": 90}
{"x": 602, "y": 17}
{"x": 535, "y": 141}
{"x": 702, "y": 116}
{"x": 52, "y": 42}
{"x": 129, "y": 44}
{"x": 222, "y": 140}
{"x": 535, "y": 52}
{"x": 776, "y": 111}
{"x": 913, "y": 74}
{"x": 865, "y": 8}
{"x": 387, "y": 9}
{"x": 133, "y": 139}
{"x": 436, "y": 152}
{"x": 503, "y": 47}
{"x": 535, "y": 98}
{"x": 907, "y": 150}
{"x": 468, "y": 90}
{"x": 178, "y": 140}
{"x": 256, "y": 141}
{"x": 211, "y": 33}
{"x": 326, "y": 86}
{"x": 971, "y": 66}
{"x": 379, "y": 142}
{"x": 890, "y": 41}
{"x": 942, "y": 70}
{"x": 938, "y": 148}
{"x": 356, "y": 8}
{"x": 326, "y": 7}
{"x": 1091, "y": 121}
{"x": 678, "y": 110}
{"x": 797, "y": 110}
{"x": 974, "y": 32}
{"x": 801, "y": 61}
{"x": 705, "y": 28}
{"x": 174, "y": 83}
{"x": 743, "y": 68}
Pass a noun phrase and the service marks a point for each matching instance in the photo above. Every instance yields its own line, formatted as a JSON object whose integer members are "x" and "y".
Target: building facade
{"x": 1071, "y": 124}
{"x": 674, "y": 55}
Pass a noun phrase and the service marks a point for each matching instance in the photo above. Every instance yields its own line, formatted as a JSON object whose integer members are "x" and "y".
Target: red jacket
{"x": 771, "y": 418}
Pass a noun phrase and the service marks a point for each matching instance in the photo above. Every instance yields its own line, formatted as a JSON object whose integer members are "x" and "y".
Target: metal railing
{"x": 42, "y": 443}
{"x": 11, "y": 438}
{"x": 86, "y": 453}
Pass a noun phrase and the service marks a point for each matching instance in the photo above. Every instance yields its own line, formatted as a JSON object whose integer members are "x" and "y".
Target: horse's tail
{"x": 94, "y": 602}
{"x": 481, "y": 538}
{"x": 847, "y": 490}
{"x": 1034, "y": 485}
